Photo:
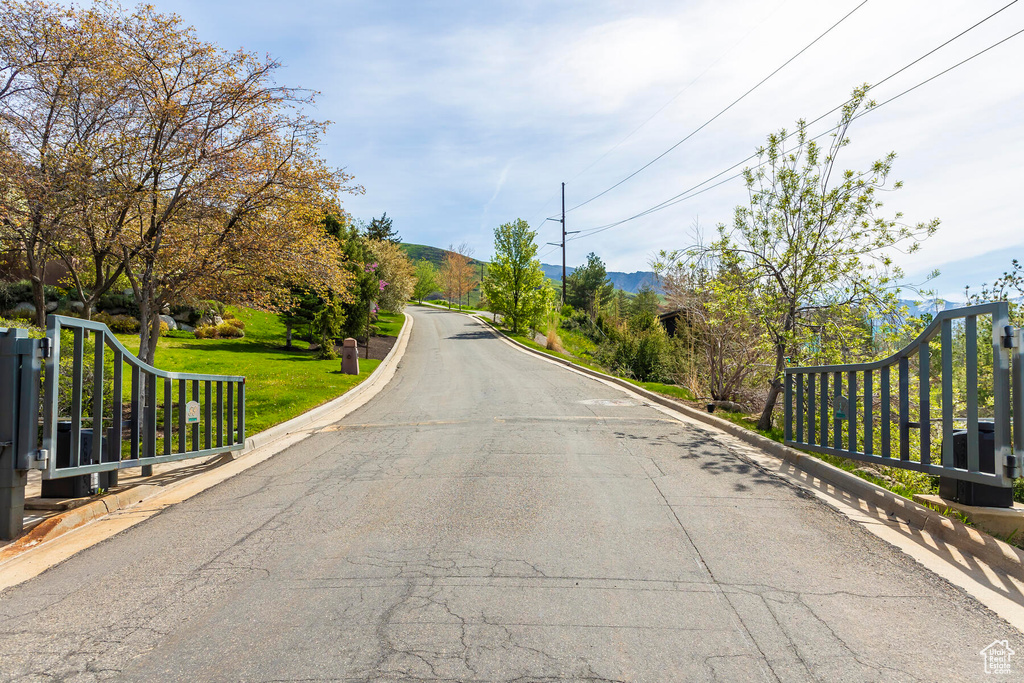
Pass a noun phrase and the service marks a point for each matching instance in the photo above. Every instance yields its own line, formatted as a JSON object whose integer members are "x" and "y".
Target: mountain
{"x": 630, "y": 282}
{"x": 432, "y": 254}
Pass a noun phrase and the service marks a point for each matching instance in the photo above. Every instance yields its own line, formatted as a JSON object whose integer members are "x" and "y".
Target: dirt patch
{"x": 379, "y": 347}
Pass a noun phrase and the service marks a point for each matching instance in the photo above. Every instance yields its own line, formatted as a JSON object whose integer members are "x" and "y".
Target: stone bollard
{"x": 350, "y": 357}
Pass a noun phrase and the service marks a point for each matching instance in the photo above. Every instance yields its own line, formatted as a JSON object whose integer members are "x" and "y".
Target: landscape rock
{"x": 186, "y": 327}
{"x": 171, "y": 322}
{"x": 25, "y": 307}
{"x": 182, "y": 317}
{"x": 210, "y": 321}
{"x": 51, "y": 306}
{"x": 76, "y": 306}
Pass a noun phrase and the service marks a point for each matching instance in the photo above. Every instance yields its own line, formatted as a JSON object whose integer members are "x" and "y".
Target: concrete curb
{"x": 987, "y": 548}
{"x": 60, "y": 524}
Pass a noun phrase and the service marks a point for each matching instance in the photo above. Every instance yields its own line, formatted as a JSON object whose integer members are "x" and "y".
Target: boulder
{"x": 51, "y": 306}
{"x": 186, "y": 327}
{"x": 210, "y": 321}
{"x": 24, "y": 308}
{"x": 76, "y": 306}
{"x": 182, "y": 317}
{"x": 171, "y": 322}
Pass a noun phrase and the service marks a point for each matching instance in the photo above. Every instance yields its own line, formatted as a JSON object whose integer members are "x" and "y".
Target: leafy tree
{"x": 1006, "y": 287}
{"x": 381, "y": 229}
{"x": 514, "y": 285}
{"x": 394, "y": 273}
{"x": 327, "y": 326}
{"x": 645, "y": 301}
{"x": 458, "y": 276}
{"x": 588, "y": 287}
{"x": 810, "y": 247}
{"x": 427, "y": 280}
{"x": 301, "y": 314}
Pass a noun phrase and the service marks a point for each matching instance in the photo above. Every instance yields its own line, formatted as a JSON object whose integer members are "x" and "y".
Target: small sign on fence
{"x": 192, "y": 412}
{"x": 842, "y": 405}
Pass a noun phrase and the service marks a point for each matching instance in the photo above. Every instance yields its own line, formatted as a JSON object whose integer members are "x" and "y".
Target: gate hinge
{"x": 1010, "y": 340}
{"x": 33, "y": 460}
{"x": 45, "y": 347}
{"x": 1013, "y": 463}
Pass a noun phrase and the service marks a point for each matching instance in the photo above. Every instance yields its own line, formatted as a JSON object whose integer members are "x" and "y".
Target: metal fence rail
{"x": 831, "y": 409}
{"x": 170, "y": 415}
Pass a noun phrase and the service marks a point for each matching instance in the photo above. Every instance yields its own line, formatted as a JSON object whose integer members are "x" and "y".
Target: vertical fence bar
{"x": 50, "y": 398}
{"x": 972, "y": 393}
{"x": 837, "y": 422}
{"x": 168, "y": 415}
{"x": 231, "y": 412}
{"x": 97, "y": 397}
{"x": 811, "y": 413}
{"x": 195, "y": 426}
{"x": 182, "y": 431}
{"x": 150, "y": 429}
{"x": 851, "y": 412}
{"x": 220, "y": 414}
{"x": 800, "y": 409}
{"x": 885, "y": 393}
{"x": 207, "y": 416}
{"x": 869, "y": 416}
{"x": 924, "y": 388}
{"x": 241, "y": 412}
{"x": 77, "y": 361}
{"x": 1018, "y": 399}
{"x": 117, "y": 407}
{"x": 904, "y": 392}
{"x": 136, "y": 404}
{"x": 947, "y": 393}
{"x": 788, "y": 411}
{"x": 1001, "y": 388}
{"x": 823, "y": 434}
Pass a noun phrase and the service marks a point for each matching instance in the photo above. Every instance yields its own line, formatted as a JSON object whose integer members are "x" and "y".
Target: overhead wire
{"x": 699, "y": 188}
{"x": 723, "y": 111}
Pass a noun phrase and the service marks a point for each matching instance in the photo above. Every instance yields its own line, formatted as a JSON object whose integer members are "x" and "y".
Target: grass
{"x": 279, "y": 384}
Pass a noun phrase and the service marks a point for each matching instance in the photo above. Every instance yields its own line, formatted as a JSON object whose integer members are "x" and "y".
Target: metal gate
{"x": 137, "y": 415}
{"x": 832, "y": 409}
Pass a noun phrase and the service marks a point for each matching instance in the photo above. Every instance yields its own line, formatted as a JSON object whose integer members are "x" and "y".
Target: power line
{"x": 678, "y": 94}
{"x": 694, "y": 190}
{"x": 727, "y": 108}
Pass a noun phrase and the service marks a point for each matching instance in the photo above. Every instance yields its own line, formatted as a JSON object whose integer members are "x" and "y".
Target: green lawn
{"x": 279, "y": 384}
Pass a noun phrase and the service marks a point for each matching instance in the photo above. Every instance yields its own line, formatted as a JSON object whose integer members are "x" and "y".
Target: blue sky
{"x": 458, "y": 116}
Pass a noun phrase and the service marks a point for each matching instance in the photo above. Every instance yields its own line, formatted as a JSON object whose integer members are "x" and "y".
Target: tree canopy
{"x": 514, "y": 285}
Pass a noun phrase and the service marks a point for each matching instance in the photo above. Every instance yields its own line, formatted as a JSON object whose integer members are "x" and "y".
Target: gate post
{"x": 12, "y": 479}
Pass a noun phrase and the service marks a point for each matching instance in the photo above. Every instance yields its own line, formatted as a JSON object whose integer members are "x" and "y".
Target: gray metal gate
{"x": 831, "y": 409}
{"x": 137, "y": 415}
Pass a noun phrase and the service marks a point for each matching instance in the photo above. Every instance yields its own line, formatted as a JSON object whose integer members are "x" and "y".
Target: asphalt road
{"x": 493, "y": 517}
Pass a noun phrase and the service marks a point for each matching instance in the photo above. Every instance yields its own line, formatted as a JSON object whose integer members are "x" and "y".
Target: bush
{"x": 164, "y": 328}
{"x": 228, "y": 330}
{"x": 642, "y": 355}
{"x": 121, "y": 324}
{"x": 206, "y": 332}
{"x": 115, "y": 301}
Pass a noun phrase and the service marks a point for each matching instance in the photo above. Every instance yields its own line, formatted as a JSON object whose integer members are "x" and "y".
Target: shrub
{"x": 228, "y": 330}
{"x": 115, "y": 301}
{"x": 164, "y": 328}
{"x": 642, "y": 354}
{"x": 206, "y": 332}
{"x": 121, "y": 324}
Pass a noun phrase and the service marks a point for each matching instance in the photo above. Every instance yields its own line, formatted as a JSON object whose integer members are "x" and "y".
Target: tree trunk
{"x": 774, "y": 389}
{"x": 288, "y": 335}
{"x": 39, "y": 300}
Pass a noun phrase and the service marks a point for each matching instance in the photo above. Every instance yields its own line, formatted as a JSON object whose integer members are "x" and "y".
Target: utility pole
{"x": 562, "y": 243}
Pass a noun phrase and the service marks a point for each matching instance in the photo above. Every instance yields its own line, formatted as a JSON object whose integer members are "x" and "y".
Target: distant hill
{"x": 432, "y": 254}
{"x": 630, "y": 282}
